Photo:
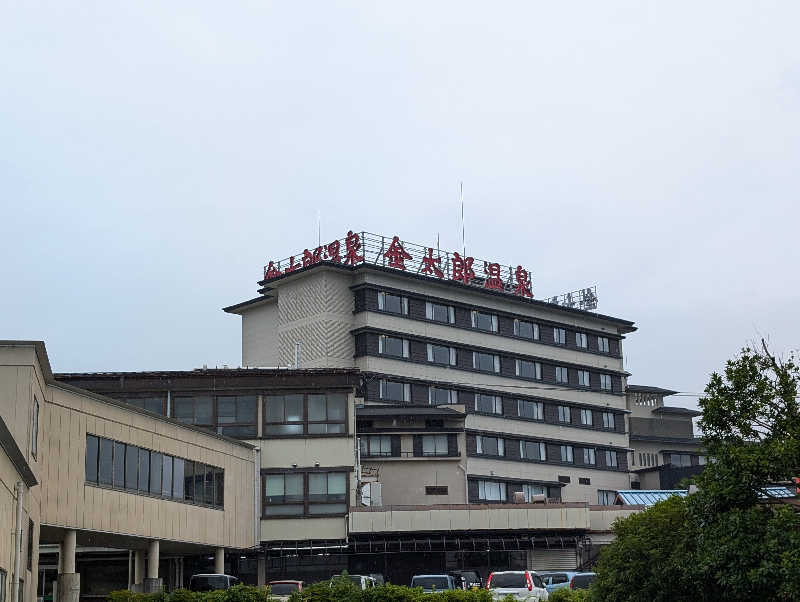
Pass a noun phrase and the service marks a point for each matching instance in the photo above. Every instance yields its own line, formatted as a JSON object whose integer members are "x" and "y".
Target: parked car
{"x": 554, "y": 580}
{"x": 362, "y": 581}
{"x": 433, "y": 583}
{"x": 379, "y": 580}
{"x": 521, "y": 585}
{"x": 281, "y": 590}
{"x": 582, "y": 580}
{"x": 471, "y": 579}
{"x": 208, "y": 582}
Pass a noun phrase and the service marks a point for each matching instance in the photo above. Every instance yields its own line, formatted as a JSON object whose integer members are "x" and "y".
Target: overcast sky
{"x": 155, "y": 156}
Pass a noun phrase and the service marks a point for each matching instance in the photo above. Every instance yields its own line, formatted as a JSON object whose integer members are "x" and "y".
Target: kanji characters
{"x": 462, "y": 268}
{"x": 272, "y": 271}
{"x": 292, "y": 266}
{"x": 397, "y": 254}
{"x": 493, "y": 280}
{"x": 523, "y": 286}
{"x": 430, "y": 264}
{"x": 352, "y": 245}
{"x": 332, "y": 252}
{"x": 310, "y": 258}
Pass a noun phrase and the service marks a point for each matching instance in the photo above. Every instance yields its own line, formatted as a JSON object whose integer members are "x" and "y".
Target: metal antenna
{"x": 319, "y": 229}
{"x": 461, "y": 197}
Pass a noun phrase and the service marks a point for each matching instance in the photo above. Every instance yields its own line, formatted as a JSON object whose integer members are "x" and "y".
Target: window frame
{"x": 584, "y": 379}
{"x": 606, "y": 378}
{"x": 430, "y": 312}
{"x": 536, "y": 369}
{"x": 603, "y": 497}
{"x": 538, "y": 413}
{"x": 586, "y": 416}
{"x": 562, "y": 375}
{"x": 559, "y": 336}
{"x": 305, "y": 422}
{"x": 474, "y": 320}
{"x": 431, "y": 355}
{"x": 436, "y": 438}
{"x": 496, "y": 401}
{"x": 405, "y": 345}
{"x": 35, "y": 428}
{"x": 365, "y": 443}
{"x": 236, "y": 423}
{"x": 562, "y": 411}
{"x": 500, "y": 445}
{"x": 612, "y": 461}
{"x": 590, "y": 456}
{"x": 534, "y": 329}
{"x": 306, "y": 501}
{"x": 495, "y": 362}
{"x": 382, "y": 303}
{"x": 569, "y": 452}
{"x": 609, "y": 421}
{"x": 452, "y": 395}
{"x": 523, "y": 445}
{"x": 382, "y": 390}
{"x": 211, "y": 425}
{"x": 581, "y": 340}
{"x": 502, "y": 488}
{"x": 603, "y": 344}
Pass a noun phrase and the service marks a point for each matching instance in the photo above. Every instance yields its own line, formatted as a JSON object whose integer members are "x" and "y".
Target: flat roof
{"x": 649, "y": 389}
{"x": 676, "y": 410}
{"x": 626, "y": 325}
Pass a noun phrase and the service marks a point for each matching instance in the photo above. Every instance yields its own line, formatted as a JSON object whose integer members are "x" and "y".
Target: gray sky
{"x": 154, "y": 156}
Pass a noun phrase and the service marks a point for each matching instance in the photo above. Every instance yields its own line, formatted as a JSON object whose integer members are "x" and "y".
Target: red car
{"x": 283, "y": 589}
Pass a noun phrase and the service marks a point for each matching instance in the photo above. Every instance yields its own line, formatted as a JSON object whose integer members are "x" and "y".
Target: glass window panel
{"x": 274, "y": 486}
{"x": 203, "y": 410}
{"x": 275, "y": 408}
{"x": 246, "y": 406}
{"x": 327, "y": 508}
{"x": 188, "y": 479}
{"x": 178, "y": 477}
{"x": 226, "y": 409}
{"x": 183, "y": 409}
{"x": 166, "y": 477}
{"x": 294, "y": 408}
{"x": 155, "y": 472}
{"x": 131, "y": 466}
{"x": 337, "y": 406}
{"x": 199, "y": 483}
{"x": 337, "y": 484}
{"x": 91, "y": 458}
{"x": 316, "y": 408}
{"x": 317, "y": 485}
{"x": 219, "y": 487}
{"x": 240, "y": 432}
{"x": 144, "y": 470}
{"x": 294, "y": 487}
{"x": 119, "y": 464}
{"x": 284, "y": 510}
{"x": 283, "y": 429}
{"x": 105, "y": 463}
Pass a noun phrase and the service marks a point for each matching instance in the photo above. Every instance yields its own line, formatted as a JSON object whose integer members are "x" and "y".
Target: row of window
{"x": 445, "y": 355}
{"x": 235, "y": 415}
{"x": 305, "y": 494}
{"x": 536, "y": 450}
{"x": 137, "y": 470}
{"x": 381, "y": 445}
{"x": 390, "y": 390}
{"x": 497, "y": 491}
{"x": 486, "y": 321}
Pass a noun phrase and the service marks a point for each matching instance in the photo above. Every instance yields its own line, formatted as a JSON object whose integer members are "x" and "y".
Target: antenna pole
{"x": 319, "y": 229}
{"x": 461, "y": 197}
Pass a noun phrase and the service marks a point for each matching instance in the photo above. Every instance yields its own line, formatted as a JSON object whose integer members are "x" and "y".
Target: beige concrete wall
{"x": 260, "y": 336}
{"x": 601, "y": 518}
{"x": 523, "y": 516}
{"x": 300, "y": 529}
{"x": 307, "y": 452}
{"x": 547, "y": 431}
{"x": 403, "y": 481}
{"x": 317, "y": 310}
{"x": 69, "y": 502}
{"x": 572, "y": 492}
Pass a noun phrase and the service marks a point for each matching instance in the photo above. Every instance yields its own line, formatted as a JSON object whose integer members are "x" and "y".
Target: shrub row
{"x": 238, "y": 593}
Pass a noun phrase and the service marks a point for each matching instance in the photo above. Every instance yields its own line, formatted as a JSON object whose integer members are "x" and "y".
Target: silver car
{"x": 521, "y": 585}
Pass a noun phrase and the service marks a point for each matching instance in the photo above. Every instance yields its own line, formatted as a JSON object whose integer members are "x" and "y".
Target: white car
{"x": 521, "y": 585}
{"x": 360, "y": 581}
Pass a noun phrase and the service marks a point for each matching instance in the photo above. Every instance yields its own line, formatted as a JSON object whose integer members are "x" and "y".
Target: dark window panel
{"x": 131, "y": 466}
{"x": 105, "y": 466}
{"x": 188, "y": 480}
{"x": 156, "y": 460}
{"x": 91, "y": 458}
{"x": 166, "y": 476}
{"x": 144, "y": 470}
{"x": 119, "y": 464}
{"x": 178, "y": 478}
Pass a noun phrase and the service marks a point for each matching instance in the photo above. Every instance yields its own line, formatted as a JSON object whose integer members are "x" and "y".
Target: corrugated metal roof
{"x": 648, "y": 497}
{"x": 777, "y": 492}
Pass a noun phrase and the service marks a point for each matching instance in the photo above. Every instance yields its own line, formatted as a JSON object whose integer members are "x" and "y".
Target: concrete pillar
{"x": 262, "y": 569}
{"x": 69, "y": 582}
{"x": 152, "y": 583}
{"x": 138, "y": 567}
{"x": 219, "y": 561}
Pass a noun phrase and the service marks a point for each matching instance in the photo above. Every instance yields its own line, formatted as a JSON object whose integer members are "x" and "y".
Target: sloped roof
{"x": 649, "y": 389}
{"x": 676, "y": 410}
{"x": 647, "y": 497}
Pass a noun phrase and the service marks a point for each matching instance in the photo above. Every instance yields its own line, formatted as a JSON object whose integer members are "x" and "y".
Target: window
{"x": 532, "y": 450}
{"x": 441, "y": 354}
{"x": 701, "y": 460}
{"x": 602, "y": 344}
{"x": 491, "y": 491}
{"x": 564, "y": 479}
{"x": 586, "y": 417}
{"x": 584, "y": 481}
{"x": 680, "y": 460}
{"x": 583, "y": 378}
{"x": 236, "y": 415}
{"x": 284, "y": 494}
{"x": 559, "y": 336}
{"x": 35, "y": 428}
{"x": 394, "y": 391}
{"x": 151, "y": 404}
{"x": 440, "y": 313}
{"x": 529, "y": 369}
{"x": 530, "y": 409}
{"x": 606, "y": 498}
{"x": 376, "y": 445}
{"x": 611, "y": 459}
{"x": 284, "y": 414}
{"x": 434, "y": 445}
{"x": 393, "y": 303}
{"x": 605, "y": 382}
{"x": 327, "y": 413}
{"x": 588, "y": 456}
{"x": 438, "y": 396}
{"x": 137, "y": 470}
{"x": 486, "y": 362}
{"x": 564, "y": 414}
{"x": 526, "y": 330}
{"x": 489, "y": 446}
{"x": 484, "y": 321}
{"x": 488, "y": 404}
{"x": 197, "y": 410}
{"x": 566, "y": 453}
{"x": 3, "y": 586}
{"x": 436, "y": 490}
{"x": 562, "y": 375}
{"x": 608, "y": 420}
{"x": 30, "y": 545}
{"x": 529, "y": 490}
{"x": 392, "y": 346}
{"x": 581, "y": 340}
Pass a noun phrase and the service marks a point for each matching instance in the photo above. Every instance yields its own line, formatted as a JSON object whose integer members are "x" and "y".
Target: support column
{"x": 219, "y": 561}
{"x": 152, "y": 583}
{"x": 138, "y": 570}
{"x": 69, "y": 582}
{"x": 262, "y": 569}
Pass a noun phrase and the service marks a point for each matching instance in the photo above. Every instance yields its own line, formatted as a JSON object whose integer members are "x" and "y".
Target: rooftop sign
{"x": 365, "y": 248}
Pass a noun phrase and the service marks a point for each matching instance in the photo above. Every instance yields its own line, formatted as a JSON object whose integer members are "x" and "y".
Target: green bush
{"x": 566, "y": 594}
{"x": 238, "y": 593}
{"x": 343, "y": 590}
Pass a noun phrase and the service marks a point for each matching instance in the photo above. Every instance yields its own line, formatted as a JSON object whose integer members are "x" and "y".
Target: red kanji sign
{"x": 493, "y": 280}
{"x": 310, "y": 258}
{"x": 332, "y": 252}
{"x": 462, "y": 268}
{"x": 292, "y": 266}
{"x": 523, "y": 279}
{"x": 353, "y": 245}
{"x": 430, "y": 264}
{"x": 397, "y": 255}
{"x": 272, "y": 271}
